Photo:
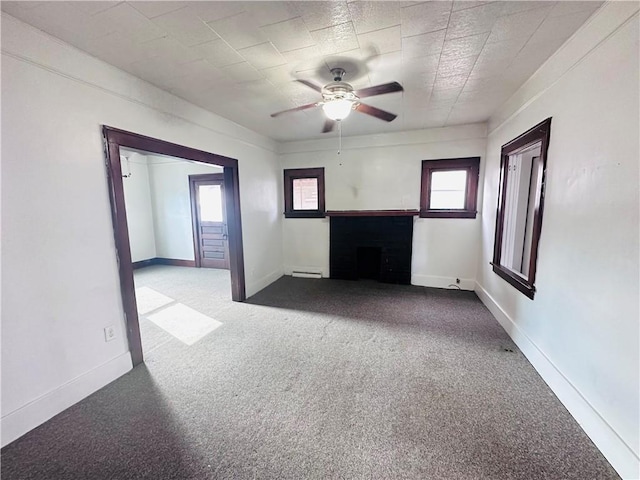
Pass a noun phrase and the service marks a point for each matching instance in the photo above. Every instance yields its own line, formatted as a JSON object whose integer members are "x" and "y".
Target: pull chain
{"x": 339, "y": 137}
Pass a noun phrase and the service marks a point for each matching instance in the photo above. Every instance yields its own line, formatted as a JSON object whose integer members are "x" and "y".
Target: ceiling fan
{"x": 339, "y": 98}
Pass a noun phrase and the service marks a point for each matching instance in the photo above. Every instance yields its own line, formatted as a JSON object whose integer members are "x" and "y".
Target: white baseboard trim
{"x": 35, "y": 413}
{"x": 254, "y": 287}
{"x": 442, "y": 282}
{"x": 620, "y": 455}
{"x": 299, "y": 274}
{"x": 289, "y": 269}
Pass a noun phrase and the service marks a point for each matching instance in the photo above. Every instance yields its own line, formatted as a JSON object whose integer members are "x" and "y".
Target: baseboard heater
{"x": 297, "y": 273}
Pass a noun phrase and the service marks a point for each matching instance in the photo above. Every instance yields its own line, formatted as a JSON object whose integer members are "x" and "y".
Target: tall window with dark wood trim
{"x": 304, "y": 193}
{"x": 520, "y": 205}
{"x": 449, "y": 188}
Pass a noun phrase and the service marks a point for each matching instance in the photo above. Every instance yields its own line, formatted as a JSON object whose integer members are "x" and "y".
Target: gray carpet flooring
{"x": 317, "y": 379}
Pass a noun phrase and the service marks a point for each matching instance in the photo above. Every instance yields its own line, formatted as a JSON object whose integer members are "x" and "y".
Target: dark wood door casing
{"x": 114, "y": 139}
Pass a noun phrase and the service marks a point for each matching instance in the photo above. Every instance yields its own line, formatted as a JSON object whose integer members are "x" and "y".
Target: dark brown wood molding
{"x": 305, "y": 214}
{"x": 519, "y": 283}
{"x": 175, "y": 262}
{"x": 234, "y": 232}
{"x": 372, "y": 213}
{"x": 114, "y": 139}
{"x": 143, "y": 263}
{"x": 163, "y": 261}
{"x": 447, "y": 214}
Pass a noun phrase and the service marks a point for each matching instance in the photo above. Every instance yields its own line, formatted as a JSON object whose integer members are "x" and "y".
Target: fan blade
{"x": 379, "y": 90}
{"x": 328, "y": 125}
{"x": 310, "y": 85}
{"x": 376, "y": 112}
{"x": 297, "y": 109}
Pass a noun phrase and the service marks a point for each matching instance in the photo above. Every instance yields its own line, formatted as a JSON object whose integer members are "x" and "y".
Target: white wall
{"x": 581, "y": 330}
{"x": 383, "y": 172}
{"x": 158, "y": 205}
{"x": 172, "y": 204}
{"x": 59, "y": 269}
{"x": 137, "y": 199}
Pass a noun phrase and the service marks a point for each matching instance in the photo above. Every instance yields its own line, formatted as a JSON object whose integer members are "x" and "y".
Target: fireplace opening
{"x": 368, "y": 262}
{"x": 371, "y": 247}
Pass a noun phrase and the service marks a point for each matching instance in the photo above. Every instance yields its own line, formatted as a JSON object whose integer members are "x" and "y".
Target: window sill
{"x": 305, "y": 214}
{"x": 515, "y": 281}
{"x": 447, "y": 214}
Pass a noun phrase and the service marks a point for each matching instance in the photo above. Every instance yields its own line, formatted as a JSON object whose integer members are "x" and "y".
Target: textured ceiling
{"x": 458, "y": 61}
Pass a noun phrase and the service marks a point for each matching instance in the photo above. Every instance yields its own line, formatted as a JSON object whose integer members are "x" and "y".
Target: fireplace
{"x": 371, "y": 246}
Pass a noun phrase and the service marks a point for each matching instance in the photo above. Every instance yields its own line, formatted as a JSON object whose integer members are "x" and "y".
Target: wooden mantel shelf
{"x": 372, "y": 213}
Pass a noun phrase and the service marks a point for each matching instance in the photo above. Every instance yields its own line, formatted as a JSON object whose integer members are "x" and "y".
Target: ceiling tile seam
{"x": 435, "y": 31}
{"x": 257, "y": 45}
{"x": 220, "y": 36}
{"x": 416, "y": 34}
{"x": 569, "y": 69}
{"x": 438, "y": 66}
{"x": 283, "y": 21}
{"x": 372, "y": 31}
{"x": 206, "y": 25}
{"x": 341, "y": 51}
{"x": 474, "y": 6}
{"x": 221, "y": 18}
{"x": 132, "y": 5}
{"x": 464, "y": 84}
{"x": 529, "y": 37}
{"x": 136, "y": 101}
{"x": 466, "y": 36}
{"x": 109, "y": 8}
{"x": 532, "y": 34}
{"x": 237, "y": 51}
{"x": 337, "y": 25}
{"x": 97, "y": 37}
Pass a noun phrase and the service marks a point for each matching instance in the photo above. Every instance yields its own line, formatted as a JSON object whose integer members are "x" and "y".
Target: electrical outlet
{"x": 109, "y": 333}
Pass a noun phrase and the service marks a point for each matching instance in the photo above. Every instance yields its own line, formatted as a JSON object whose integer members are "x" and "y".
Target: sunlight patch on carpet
{"x": 149, "y": 300}
{"x": 184, "y": 323}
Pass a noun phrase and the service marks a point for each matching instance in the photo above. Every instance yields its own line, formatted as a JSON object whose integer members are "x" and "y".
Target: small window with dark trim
{"x": 304, "y": 193}
{"x": 449, "y": 188}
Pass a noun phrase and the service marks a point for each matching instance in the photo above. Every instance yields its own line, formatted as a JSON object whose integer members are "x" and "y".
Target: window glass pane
{"x": 210, "y": 198}
{"x": 448, "y": 189}
{"x": 305, "y": 194}
{"x": 447, "y": 200}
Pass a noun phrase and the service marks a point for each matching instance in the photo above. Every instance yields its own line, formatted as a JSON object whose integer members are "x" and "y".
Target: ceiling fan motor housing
{"x": 338, "y": 90}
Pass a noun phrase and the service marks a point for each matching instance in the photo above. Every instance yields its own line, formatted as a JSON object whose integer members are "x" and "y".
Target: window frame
{"x": 291, "y": 174}
{"x": 540, "y": 133}
{"x": 472, "y": 166}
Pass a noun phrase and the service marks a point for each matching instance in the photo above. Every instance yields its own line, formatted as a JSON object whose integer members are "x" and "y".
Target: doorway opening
{"x": 216, "y": 209}
{"x": 209, "y": 219}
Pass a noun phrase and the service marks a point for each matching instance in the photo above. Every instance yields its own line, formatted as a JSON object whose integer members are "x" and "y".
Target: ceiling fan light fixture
{"x": 338, "y": 109}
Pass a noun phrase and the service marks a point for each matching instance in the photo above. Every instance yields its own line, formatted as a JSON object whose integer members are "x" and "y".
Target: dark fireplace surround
{"x": 372, "y": 246}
